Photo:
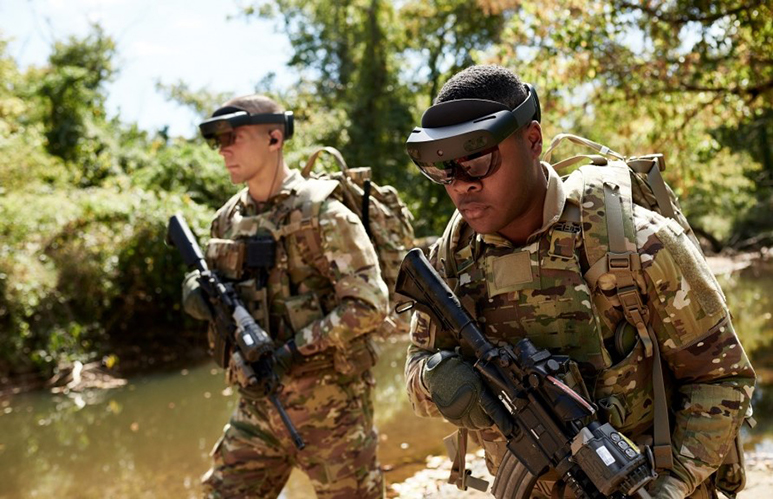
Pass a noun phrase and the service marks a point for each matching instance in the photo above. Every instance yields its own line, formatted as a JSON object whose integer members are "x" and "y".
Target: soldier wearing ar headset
{"x": 514, "y": 253}
{"x": 307, "y": 272}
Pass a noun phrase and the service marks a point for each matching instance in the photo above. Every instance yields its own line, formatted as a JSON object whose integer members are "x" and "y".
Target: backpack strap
{"x": 651, "y": 165}
{"x": 303, "y": 220}
{"x": 448, "y": 246}
{"x": 603, "y": 150}
{"x": 306, "y": 171}
{"x": 362, "y": 209}
{"x": 456, "y": 447}
{"x": 607, "y": 196}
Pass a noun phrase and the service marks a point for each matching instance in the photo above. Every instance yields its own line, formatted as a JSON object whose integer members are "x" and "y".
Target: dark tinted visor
{"x": 473, "y": 167}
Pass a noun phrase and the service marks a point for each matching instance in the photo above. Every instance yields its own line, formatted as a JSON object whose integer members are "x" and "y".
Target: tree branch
{"x": 680, "y": 19}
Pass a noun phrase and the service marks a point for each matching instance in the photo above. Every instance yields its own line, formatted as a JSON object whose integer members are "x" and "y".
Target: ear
{"x": 533, "y": 135}
{"x": 276, "y": 139}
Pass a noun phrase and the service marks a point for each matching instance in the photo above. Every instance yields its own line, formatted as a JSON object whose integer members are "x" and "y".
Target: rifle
{"x": 547, "y": 424}
{"x": 250, "y": 348}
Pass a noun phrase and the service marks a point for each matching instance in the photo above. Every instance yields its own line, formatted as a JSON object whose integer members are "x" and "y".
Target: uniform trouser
{"x": 333, "y": 415}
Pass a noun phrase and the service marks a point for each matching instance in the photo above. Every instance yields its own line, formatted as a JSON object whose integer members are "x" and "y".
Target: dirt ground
{"x": 430, "y": 483}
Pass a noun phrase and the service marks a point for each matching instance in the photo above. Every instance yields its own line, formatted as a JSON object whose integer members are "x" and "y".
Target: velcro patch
{"x": 508, "y": 272}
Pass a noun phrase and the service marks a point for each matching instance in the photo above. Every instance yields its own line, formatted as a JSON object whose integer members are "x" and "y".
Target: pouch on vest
{"x": 624, "y": 393}
{"x": 260, "y": 252}
{"x": 730, "y": 477}
{"x": 302, "y": 310}
{"x": 226, "y": 257}
{"x": 357, "y": 357}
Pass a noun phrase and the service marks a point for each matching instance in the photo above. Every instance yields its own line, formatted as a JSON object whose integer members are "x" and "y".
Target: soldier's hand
{"x": 285, "y": 357}
{"x": 195, "y": 302}
{"x": 456, "y": 390}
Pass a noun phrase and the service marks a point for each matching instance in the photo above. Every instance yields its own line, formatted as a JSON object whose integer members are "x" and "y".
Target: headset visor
{"x": 473, "y": 167}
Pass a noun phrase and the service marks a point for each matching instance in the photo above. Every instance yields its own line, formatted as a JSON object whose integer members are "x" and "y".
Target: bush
{"x": 80, "y": 279}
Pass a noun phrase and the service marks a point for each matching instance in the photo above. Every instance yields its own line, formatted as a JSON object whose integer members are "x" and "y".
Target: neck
{"x": 520, "y": 229}
{"x": 264, "y": 187}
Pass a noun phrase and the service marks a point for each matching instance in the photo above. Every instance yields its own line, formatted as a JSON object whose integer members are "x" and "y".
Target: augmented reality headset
{"x": 226, "y": 119}
{"x": 464, "y": 127}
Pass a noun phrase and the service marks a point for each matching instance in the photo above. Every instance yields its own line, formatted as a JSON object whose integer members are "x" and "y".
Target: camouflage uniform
{"x": 325, "y": 291}
{"x": 538, "y": 291}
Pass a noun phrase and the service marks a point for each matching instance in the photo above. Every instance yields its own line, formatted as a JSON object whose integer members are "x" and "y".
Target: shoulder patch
{"x": 692, "y": 266}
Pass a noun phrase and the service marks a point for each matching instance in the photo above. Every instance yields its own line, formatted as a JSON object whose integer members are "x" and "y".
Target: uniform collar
{"x": 555, "y": 199}
{"x": 289, "y": 188}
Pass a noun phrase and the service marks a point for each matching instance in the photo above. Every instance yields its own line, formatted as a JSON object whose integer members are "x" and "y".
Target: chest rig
{"x": 536, "y": 292}
{"x": 273, "y": 257}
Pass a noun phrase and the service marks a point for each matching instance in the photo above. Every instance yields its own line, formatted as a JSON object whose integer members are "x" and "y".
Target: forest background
{"x": 85, "y": 197}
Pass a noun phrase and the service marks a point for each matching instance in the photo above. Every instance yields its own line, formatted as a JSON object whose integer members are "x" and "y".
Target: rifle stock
{"x": 243, "y": 345}
{"x": 547, "y": 424}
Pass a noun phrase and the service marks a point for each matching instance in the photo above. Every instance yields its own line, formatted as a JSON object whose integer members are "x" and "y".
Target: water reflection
{"x": 147, "y": 439}
{"x": 151, "y": 438}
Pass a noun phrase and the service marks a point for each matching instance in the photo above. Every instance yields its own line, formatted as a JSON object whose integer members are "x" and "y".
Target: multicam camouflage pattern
{"x": 255, "y": 455}
{"x": 324, "y": 291}
{"x": 315, "y": 256}
{"x": 537, "y": 291}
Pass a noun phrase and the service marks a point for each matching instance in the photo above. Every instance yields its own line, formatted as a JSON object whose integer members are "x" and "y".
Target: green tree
{"x": 663, "y": 76}
{"x": 355, "y": 91}
{"x": 73, "y": 89}
{"x": 446, "y": 36}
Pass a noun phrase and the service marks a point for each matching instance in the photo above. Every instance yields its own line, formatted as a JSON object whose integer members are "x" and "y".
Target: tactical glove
{"x": 285, "y": 357}
{"x": 195, "y": 301}
{"x": 456, "y": 390}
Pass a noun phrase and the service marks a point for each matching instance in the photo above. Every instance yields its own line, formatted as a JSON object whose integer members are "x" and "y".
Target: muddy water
{"x": 151, "y": 438}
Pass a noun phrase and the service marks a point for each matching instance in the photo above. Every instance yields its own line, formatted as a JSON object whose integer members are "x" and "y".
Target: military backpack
{"x": 624, "y": 182}
{"x": 385, "y": 216}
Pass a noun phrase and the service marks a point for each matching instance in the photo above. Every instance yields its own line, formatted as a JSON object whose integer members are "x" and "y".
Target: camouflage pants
{"x": 255, "y": 455}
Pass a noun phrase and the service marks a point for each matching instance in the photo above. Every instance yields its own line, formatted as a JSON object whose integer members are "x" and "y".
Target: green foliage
{"x": 189, "y": 169}
{"x": 85, "y": 198}
{"x": 84, "y": 270}
{"x": 682, "y": 78}
{"x": 72, "y": 87}
{"x": 447, "y": 35}
{"x": 90, "y": 275}
{"x": 356, "y": 90}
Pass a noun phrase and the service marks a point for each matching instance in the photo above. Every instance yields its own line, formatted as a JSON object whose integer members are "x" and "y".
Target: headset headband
{"x": 462, "y": 127}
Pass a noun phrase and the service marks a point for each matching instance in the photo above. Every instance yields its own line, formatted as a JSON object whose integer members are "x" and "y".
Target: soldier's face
{"x": 248, "y": 155}
{"x": 510, "y": 196}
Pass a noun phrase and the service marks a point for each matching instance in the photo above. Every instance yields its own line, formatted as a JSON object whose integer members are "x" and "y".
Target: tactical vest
{"x": 541, "y": 292}
{"x": 294, "y": 291}
{"x": 602, "y": 263}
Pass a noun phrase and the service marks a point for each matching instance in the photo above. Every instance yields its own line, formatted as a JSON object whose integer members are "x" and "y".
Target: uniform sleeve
{"x": 714, "y": 379}
{"x": 423, "y": 333}
{"x": 353, "y": 270}
{"x": 418, "y": 353}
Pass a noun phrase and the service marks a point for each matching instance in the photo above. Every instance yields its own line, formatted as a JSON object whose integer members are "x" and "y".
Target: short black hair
{"x": 490, "y": 82}
{"x": 255, "y": 104}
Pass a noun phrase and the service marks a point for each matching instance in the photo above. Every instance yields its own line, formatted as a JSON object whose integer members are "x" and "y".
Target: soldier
{"x": 304, "y": 266}
{"x": 515, "y": 258}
